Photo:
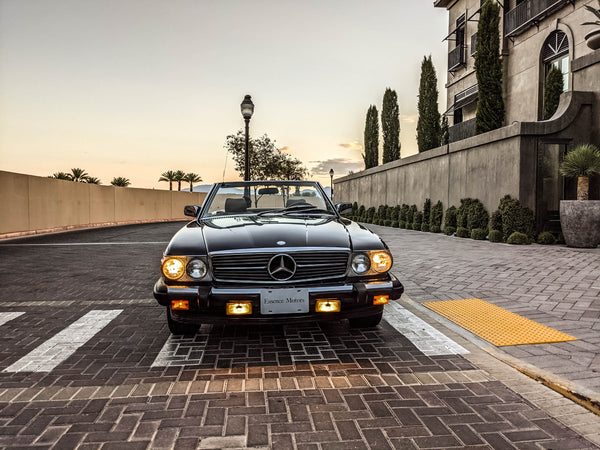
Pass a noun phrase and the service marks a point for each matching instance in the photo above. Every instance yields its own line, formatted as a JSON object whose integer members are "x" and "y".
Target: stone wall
{"x": 31, "y": 204}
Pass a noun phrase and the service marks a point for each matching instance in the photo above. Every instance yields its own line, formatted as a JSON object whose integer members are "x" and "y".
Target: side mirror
{"x": 343, "y": 208}
{"x": 191, "y": 210}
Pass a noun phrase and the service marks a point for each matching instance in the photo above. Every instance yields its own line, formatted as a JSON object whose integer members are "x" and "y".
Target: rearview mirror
{"x": 343, "y": 208}
{"x": 268, "y": 191}
{"x": 191, "y": 210}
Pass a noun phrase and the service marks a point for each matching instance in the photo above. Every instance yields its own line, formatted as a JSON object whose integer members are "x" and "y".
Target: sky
{"x": 134, "y": 88}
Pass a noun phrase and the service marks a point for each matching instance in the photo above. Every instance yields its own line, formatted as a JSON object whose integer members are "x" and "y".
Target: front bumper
{"x": 207, "y": 303}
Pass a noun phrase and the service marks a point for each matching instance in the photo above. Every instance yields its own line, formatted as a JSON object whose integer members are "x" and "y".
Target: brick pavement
{"x": 307, "y": 387}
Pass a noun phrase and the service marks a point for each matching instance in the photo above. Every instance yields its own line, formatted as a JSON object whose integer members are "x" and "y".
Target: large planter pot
{"x": 580, "y": 222}
{"x": 592, "y": 39}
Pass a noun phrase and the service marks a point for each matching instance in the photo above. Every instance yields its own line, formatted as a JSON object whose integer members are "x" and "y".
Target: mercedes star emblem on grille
{"x": 282, "y": 267}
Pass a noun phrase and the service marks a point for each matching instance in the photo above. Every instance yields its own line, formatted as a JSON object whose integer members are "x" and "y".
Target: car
{"x": 273, "y": 252}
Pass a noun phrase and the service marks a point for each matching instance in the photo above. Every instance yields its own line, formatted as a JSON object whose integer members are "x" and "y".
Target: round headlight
{"x": 381, "y": 261}
{"x": 361, "y": 264}
{"x": 173, "y": 268}
{"x": 196, "y": 268}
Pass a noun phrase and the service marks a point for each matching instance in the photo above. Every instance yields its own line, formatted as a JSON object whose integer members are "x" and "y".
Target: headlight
{"x": 361, "y": 264}
{"x": 196, "y": 269}
{"x": 173, "y": 268}
{"x": 381, "y": 261}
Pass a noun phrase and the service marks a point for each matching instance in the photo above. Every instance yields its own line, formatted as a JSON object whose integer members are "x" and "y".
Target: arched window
{"x": 555, "y": 52}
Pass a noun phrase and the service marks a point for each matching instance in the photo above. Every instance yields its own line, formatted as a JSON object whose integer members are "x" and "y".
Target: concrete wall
{"x": 31, "y": 204}
{"x": 487, "y": 166}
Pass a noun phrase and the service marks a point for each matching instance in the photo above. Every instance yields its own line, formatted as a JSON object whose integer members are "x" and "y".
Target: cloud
{"x": 408, "y": 119}
{"x": 354, "y": 145}
{"x": 285, "y": 149}
{"x": 341, "y": 166}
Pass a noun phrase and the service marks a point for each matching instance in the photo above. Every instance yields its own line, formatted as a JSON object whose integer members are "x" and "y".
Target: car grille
{"x": 252, "y": 267}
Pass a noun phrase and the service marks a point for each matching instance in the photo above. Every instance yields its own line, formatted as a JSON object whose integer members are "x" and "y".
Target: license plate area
{"x": 284, "y": 301}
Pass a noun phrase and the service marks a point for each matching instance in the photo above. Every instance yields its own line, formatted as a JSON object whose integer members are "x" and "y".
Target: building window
{"x": 555, "y": 52}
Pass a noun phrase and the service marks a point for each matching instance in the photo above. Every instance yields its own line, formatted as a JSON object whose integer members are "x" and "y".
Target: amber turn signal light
{"x": 381, "y": 299}
{"x": 180, "y": 305}
{"x": 239, "y": 308}
{"x": 327, "y": 305}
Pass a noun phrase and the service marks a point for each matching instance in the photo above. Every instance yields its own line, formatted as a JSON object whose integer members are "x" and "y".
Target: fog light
{"x": 180, "y": 304}
{"x": 239, "y": 308}
{"x": 327, "y": 305}
{"x": 381, "y": 299}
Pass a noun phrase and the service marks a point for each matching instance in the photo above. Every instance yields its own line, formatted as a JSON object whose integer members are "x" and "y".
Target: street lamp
{"x": 331, "y": 183}
{"x": 247, "y": 108}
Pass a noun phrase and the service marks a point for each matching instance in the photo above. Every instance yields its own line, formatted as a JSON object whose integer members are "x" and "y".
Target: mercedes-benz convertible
{"x": 273, "y": 252}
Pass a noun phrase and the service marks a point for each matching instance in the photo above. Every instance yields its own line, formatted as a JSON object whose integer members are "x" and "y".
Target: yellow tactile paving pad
{"x": 496, "y": 325}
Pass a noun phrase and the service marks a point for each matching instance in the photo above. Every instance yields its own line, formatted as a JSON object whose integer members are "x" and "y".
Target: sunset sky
{"x": 136, "y": 87}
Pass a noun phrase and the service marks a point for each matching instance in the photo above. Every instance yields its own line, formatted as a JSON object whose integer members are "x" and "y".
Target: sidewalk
{"x": 556, "y": 286}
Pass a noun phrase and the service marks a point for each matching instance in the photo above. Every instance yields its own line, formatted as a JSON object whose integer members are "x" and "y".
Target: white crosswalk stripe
{"x": 426, "y": 338}
{"x": 8, "y": 316}
{"x": 62, "y": 345}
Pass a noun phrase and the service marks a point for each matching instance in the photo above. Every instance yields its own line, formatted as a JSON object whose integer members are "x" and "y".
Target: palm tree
{"x": 92, "y": 180}
{"x": 60, "y": 176}
{"x": 192, "y": 178}
{"x": 169, "y": 176}
{"x": 120, "y": 182}
{"x": 78, "y": 175}
{"x": 179, "y": 175}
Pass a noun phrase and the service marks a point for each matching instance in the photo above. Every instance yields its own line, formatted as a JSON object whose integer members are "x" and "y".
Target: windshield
{"x": 267, "y": 198}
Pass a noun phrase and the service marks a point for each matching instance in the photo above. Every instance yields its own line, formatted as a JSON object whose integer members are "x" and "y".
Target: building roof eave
{"x": 441, "y": 3}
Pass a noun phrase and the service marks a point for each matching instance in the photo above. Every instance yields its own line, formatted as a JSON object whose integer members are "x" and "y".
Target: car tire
{"x": 366, "y": 322}
{"x": 179, "y": 328}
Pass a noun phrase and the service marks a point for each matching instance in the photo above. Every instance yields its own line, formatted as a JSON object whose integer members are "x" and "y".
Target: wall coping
{"x": 569, "y": 106}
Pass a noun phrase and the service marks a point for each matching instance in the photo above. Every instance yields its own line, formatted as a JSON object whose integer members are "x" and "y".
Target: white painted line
{"x": 426, "y": 338}
{"x": 182, "y": 350}
{"x": 84, "y": 243}
{"x": 8, "y": 316}
{"x": 57, "y": 349}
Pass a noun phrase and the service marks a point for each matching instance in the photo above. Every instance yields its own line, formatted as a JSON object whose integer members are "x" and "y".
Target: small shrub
{"x": 462, "y": 213}
{"x": 516, "y": 217}
{"x": 450, "y": 219}
{"x": 395, "y": 224}
{"x": 410, "y": 215}
{"x": 394, "y": 213}
{"x": 361, "y": 211}
{"x": 449, "y": 231}
{"x": 437, "y": 214}
{"x": 479, "y": 234}
{"x": 417, "y": 221}
{"x": 477, "y": 216}
{"x": 387, "y": 223}
{"x": 369, "y": 214}
{"x": 463, "y": 232}
{"x": 426, "y": 212}
{"x": 560, "y": 239}
{"x": 435, "y": 229}
{"x": 403, "y": 215}
{"x": 518, "y": 238}
{"x": 546, "y": 238}
{"x": 401, "y": 224}
{"x": 425, "y": 226}
{"x": 496, "y": 221}
{"x": 495, "y": 236}
{"x": 354, "y": 208}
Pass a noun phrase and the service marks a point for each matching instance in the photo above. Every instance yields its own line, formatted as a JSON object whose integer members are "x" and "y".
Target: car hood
{"x": 245, "y": 232}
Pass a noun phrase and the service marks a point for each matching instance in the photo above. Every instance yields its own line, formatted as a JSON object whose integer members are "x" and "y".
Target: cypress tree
{"x": 488, "y": 68}
{"x": 390, "y": 125}
{"x": 371, "y": 137}
{"x": 428, "y": 125}
{"x": 445, "y": 131}
{"x": 553, "y": 89}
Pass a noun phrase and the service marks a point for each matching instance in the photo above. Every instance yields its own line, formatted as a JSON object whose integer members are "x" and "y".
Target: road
{"x": 87, "y": 362}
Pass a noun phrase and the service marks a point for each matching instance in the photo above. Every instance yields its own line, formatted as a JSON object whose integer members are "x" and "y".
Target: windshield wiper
{"x": 298, "y": 208}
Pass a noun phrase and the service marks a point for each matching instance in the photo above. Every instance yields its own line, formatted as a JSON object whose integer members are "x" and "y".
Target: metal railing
{"x": 462, "y": 130}
{"x": 471, "y": 91}
{"x": 456, "y": 58}
{"x": 520, "y": 18}
{"x": 473, "y": 44}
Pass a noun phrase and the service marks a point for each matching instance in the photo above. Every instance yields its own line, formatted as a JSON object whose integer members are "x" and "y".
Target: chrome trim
{"x": 279, "y": 250}
{"x": 311, "y": 290}
{"x": 182, "y": 290}
{"x": 379, "y": 285}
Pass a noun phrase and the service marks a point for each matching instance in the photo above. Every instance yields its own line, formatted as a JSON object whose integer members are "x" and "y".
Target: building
{"x": 522, "y": 158}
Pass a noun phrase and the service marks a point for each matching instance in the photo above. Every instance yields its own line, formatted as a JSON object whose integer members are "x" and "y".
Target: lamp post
{"x": 247, "y": 108}
{"x": 331, "y": 182}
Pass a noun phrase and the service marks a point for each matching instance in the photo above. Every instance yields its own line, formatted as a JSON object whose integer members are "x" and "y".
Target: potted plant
{"x": 580, "y": 219}
{"x": 592, "y": 39}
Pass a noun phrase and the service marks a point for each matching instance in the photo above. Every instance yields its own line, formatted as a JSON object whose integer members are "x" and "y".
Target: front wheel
{"x": 179, "y": 328}
{"x": 366, "y": 322}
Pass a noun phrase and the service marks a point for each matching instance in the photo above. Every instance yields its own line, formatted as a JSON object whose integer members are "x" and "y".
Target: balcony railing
{"x": 462, "y": 130}
{"x": 527, "y": 14}
{"x": 473, "y": 44}
{"x": 456, "y": 58}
